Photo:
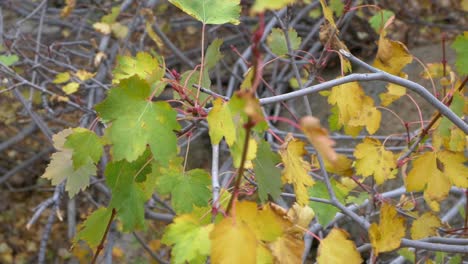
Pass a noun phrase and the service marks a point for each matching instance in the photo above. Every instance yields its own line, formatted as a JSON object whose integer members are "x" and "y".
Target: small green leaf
{"x": 407, "y": 254}
{"x": 358, "y": 200}
{"x": 378, "y": 20}
{"x": 189, "y": 78}
{"x": 460, "y": 45}
{"x": 268, "y": 176}
{"x": 213, "y": 55}
{"x": 8, "y": 60}
{"x": 277, "y": 41}
{"x": 337, "y": 6}
{"x": 324, "y": 212}
{"x": 85, "y": 145}
{"x": 93, "y": 228}
{"x": 211, "y": 11}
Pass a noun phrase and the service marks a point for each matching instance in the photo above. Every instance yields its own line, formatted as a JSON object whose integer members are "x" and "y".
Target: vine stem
{"x": 101, "y": 244}
{"x": 235, "y": 192}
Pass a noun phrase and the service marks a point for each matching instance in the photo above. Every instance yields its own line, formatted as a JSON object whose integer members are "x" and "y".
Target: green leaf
{"x": 407, "y": 254}
{"x": 263, "y": 5}
{"x": 61, "y": 166}
{"x": 324, "y": 212}
{"x": 268, "y": 176}
{"x": 378, "y": 20}
{"x": 358, "y": 200}
{"x": 85, "y": 145}
{"x": 8, "y": 60}
{"x": 112, "y": 16}
{"x": 211, "y": 11}
{"x": 337, "y": 6}
{"x": 457, "y": 105}
{"x": 137, "y": 122}
{"x": 189, "y": 78}
{"x": 277, "y": 41}
{"x": 93, "y": 228}
{"x": 213, "y": 55}
{"x": 457, "y": 259}
{"x": 188, "y": 189}
{"x": 143, "y": 65}
{"x": 181, "y": 235}
{"x": 128, "y": 182}
{"x": 460, "y": 45}
{"x": 334, "y": 119}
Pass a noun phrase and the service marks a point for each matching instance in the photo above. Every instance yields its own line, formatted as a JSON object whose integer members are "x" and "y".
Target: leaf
{"x": 460, "y": 45}
{"x": 319, "y": 138}
{"x": 277, "y": 41}
{"x": 181, "y": 235}
{"x": 393, "y": 93}
{"x": 296, "y": 169}
{"x": 287, "y": 249}
{"x": 373, "y": 160}
{"x": 434, "y": 173}
{"x": 188, "y": 189}
{"x": 337, "y": 248}
{"x": 62, "y": 78}
{"x": 324, "y": 212}
{"x": 378, "y": 20}
{"x": 261, "y": 6}
{"x": 93, "y": 228}
{"x": 406, "y": 254}
{"x": 85, "y": 145}
{"x": 425, "y": 226}
{"x": 102, "y": 28}
{"x": 386, "y": 235}
{"x": 84, "y": 75}
{"x": 143, "y": 65}
{"x": 328, "y": 13}
{"x": 342, "y": 166}
{"x": 369, "y": 116}
{"x": 119, "y": 30}
{"x": 8, "y": 60}
{"x": 300, "y": 216}
{"x": 435, "y": 71}
{"x": 68, "y": 8}
{"x": 392, "y": 56}
{"x": 220, "y": 123}
{"x": 112, "y": 16}
{"x": 267, "y": 175}
{"x": 447, "y": 134}
{"x": 191, "y": 77}
{"x": 337, "y": 6}
{"x": 61, "y": 166}
{"x": 127, "y": 182}
{"x": 137, "y": 122}
{"x": 71, "y": 87}
{"x": 211, "y": 11}
{"x": 213, "y": 55}
{"x": 233, "y": 242}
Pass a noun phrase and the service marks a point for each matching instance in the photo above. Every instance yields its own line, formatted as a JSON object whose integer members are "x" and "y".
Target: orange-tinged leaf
{"x": 220, "y": 123}
{"x": 296, "y": 169}
{"x": 373, "y": 160}
{"x": 392, "y": 56}
{"x": 435, "y": 172}
{"x": 387, "y": 235}
{"x": 287, "y": 249}
{"x": 425, "y": 226}
{"x": 319, "y": 138}
{"x": 232, "y": 241}
{"x": 337, "y": 248}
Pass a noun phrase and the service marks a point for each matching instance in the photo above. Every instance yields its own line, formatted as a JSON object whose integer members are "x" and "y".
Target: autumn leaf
{"x": 448, "y": 135}
{"x": 277, "y": 41}
{"x": 319, "y": 138}
{"x": 263, "y": 5}
{"x": 267, "y": 175}
{"x": 343, "y": 166}
{"x": 393, "y": 93}
{"x": 93, "y": 228}
{"x": 434, "y": 173}
{"x": 328, "y": 13}
{"x": 425, "y": 226}
{"x": 392, "y": 56}
{"x": 221, "y": 124}
{"x": 71, "y": 87}
{"x": 296, "y": 169}
{"x": 181, "y": 235}
{"x": 85, "y": 145}
{"x": 300, "y": 216}
{"x": 211, "y": 11}
{"x": 84, "y": 75}
{"x": 62, "y": 77}
{"x": 337, "y": 248}
{"x": 372, "y": 159}
{"x": 287, "y": 249}
{"x": 386, "y": 236}
{"x": 229, "y": 238}
{"x": 143, "y": 65}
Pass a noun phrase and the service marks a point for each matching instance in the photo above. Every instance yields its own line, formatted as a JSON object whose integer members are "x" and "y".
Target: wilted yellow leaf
{"x": 387, "y": 235}
{"x": 287, "y": 249}
{"x": 102, "y": 28}
{"x": 435, "y": 172}
{"x": 373, "y": 159}
{"x": 71, "y": 87}
{"x": 300, "y": 216}
{"x": 319, "y": 138}
{"x": 232, "y": 241}
{"x": 84, "y": 75}
{"x": 337, "y": 248}
{"x": 296, "y": 169}
{"x": 426, "y": 225}
{"x": 154, "y": 36}
{"x": 392, "y": 56}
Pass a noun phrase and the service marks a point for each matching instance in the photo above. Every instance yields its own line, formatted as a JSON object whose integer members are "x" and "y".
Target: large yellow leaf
{"x": 220, "y": 123}
{"x": 233, "y": 242}
{"x": 337, "y": 248}
{"x": 319, "y": 138}
{"x": 296, "y": 169}
{"x": 386, "y": 235}
{"x": 287, "y": 249}
{"x": 373, "y": 160}
{"x": 426, "y": 225}
{"x": 392, "y": 56}
{"x": 435, "y": 172}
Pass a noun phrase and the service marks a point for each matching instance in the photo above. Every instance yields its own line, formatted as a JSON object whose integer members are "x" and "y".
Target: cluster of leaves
{"x": 141, "y": 139}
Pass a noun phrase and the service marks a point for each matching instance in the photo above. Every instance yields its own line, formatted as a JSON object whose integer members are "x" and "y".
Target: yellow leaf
{"x": 328, "y": 13}
{"x": 264, "y": 5}
{"x": 102, "y": 28}
{"x": 319, "y": 138}
{"x": 61, "y": 77}
{"x": 392, "y": 56}
{"x": 98, "y": 58}
{"x": 337, "y": 248}
{"x": 342, "y": 166}
{"x": 68, "y": 8}
{"x": 387, "y": 235}
{"x": 264, "y": 255}
{"x": 220, "y": 123}
{"x": 71, "y": 87}
{"x": 84, "y": 75}
{"x": 300, "y": 216}
{"x": 393, "y": 93}
{"x": 154, "y": 36}
{"x": 287, "y": 249}
{"x": 369, "y": 117}
{"x": 232, "y": 241}
{"x": 435, "y": 70}
{"x": 373, "y": 159}
{"x": 435, "y": 172}
{"x": 296, "y": 169}
{"x": 425, "y": 226}
{"x": 119, "y": 30}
